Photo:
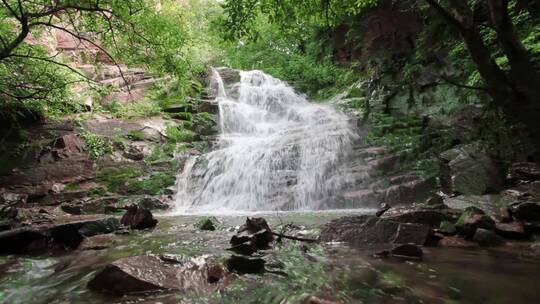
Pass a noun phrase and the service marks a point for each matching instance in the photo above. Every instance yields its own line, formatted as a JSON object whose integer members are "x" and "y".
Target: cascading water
{"x": 276, "y": 151}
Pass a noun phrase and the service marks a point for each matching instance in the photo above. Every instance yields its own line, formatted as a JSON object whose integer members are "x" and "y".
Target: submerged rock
{"x": 138, "y": 218}
{"x": 151, "y": 273}
{"x": 407, "y": 251}
{"x": 365, "y": 230}
{"x": 97, "y": 242}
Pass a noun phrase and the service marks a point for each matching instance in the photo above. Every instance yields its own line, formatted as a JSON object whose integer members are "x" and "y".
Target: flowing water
{"x": 276, "y": 151}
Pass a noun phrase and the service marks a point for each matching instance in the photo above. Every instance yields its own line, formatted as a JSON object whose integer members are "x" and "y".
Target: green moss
{"x": 153, "y": 185}
{"x": 72, "y": 186}
{"x": 115, "y": 178}
{"x": 177, "y": 134}
{"x": 136, "y": 135}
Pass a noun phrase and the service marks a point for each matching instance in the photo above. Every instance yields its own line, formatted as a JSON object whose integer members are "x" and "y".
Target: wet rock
{"x": 407, "y": 251}
{"x": 513, "y": 230}
{"x": 206, "y": 224}
{"x": 97, "y": 242}
{"x": 243, "y": 265}
{"x": 472, "y": 219}
{"x": 138, "y": 218}
{"x": 487, "y": 238}
{"x": 151, "y": 273}
{"x": 528, "y": 211}
{"x": 260, "y": 232}
{"x": 469, "y": 170}
{"x": 365, "y": 230}
{"x": 524, "y": 172}
{"x": 72, "y": 209}
{"x": 72, "y": 234}
{"x": 432, "y": 217}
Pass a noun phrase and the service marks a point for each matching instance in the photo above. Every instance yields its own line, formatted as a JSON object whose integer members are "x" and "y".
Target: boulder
{"x": 152, "y": 273}
{"x": 366, "y": 230}
{"x": 469, "y": 170}
{"x": 513, "y": 230}
{"x": 528, "y": 211}
{"x": 472, "y": 219}
{"x": 138, "y": 218}
{"x": 487, "y": 238}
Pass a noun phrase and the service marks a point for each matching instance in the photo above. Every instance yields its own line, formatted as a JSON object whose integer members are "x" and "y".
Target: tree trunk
{"x": 525, "y": 75}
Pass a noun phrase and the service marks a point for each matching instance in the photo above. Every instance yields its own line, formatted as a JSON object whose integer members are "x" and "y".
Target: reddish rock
{"x": 151, "y": 273}
{"x": 513, "y": 230}
{"x": 364, "y": 230}
{"x": 67, "y": 146}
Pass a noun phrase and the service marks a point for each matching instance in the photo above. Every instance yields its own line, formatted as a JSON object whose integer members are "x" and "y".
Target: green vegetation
{"x": 116, "y": 178}
{"x": 96, "y": 146}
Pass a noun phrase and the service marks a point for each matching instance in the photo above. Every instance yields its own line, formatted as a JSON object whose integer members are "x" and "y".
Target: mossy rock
{"x": 447, "y": 228}
{"x": 208, "y": 223}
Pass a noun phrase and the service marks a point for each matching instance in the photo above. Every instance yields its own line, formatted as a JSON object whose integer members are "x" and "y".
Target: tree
{"x": 517, "y": 90}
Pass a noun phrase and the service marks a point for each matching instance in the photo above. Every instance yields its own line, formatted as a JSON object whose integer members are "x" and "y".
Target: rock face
{"x": 138, "y": 218}
{"x": 469, "y": 170}
{"x": 151, "y": 273}
{"x": 369, "y": 230}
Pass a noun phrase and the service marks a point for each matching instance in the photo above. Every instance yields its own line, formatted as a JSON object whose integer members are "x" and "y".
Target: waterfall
{"x": 275, "y": 151}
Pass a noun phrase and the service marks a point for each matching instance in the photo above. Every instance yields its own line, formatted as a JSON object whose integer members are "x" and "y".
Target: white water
{"x": 276, "y": 151}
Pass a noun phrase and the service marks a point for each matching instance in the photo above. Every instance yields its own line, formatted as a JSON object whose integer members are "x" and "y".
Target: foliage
{"x": 96, "y": 146}
{"x": 177, "y": 134}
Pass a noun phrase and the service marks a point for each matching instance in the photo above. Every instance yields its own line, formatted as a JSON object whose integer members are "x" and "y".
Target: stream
{"x": 447, "y": 275}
